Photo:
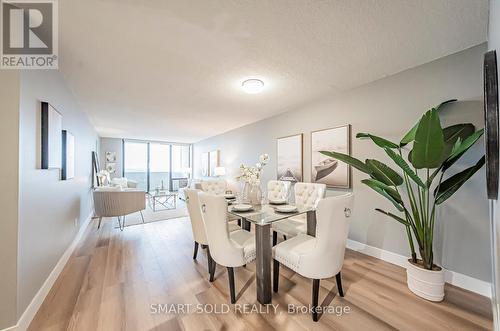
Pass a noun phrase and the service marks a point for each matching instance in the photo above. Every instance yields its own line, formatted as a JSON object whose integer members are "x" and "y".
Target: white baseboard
{"x": 37, "y": 301}
{"x": 460, "y": 280}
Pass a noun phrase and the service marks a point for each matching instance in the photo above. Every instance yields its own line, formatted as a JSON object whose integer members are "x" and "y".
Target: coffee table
{"x": 162, "y": 199}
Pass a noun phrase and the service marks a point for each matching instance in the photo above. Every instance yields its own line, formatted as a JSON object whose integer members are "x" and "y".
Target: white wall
{"x": 50, "y": 210}
{"x": 388, "y": 107}
{"x": 9, "y": 149}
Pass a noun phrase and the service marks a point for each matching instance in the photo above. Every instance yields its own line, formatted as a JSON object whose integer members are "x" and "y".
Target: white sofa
{"x": 193, "y": 184}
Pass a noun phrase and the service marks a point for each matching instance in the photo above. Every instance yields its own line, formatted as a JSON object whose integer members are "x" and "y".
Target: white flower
{"x": 264, "y": 159}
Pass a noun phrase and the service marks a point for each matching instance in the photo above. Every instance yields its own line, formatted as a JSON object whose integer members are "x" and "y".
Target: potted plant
{"x": 420, "y": 187}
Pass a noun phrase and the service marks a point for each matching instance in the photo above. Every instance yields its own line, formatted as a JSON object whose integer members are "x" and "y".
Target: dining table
{"x": 262, "y": 216}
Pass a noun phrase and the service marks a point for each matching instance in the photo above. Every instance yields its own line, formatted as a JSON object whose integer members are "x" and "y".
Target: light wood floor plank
{"x": 114, "y": 279}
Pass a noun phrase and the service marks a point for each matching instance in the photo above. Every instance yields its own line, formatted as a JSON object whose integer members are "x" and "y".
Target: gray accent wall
{"x": 387, "y": 107}
{"x": 51, "y": 211}
{"x": 9, "y": 167}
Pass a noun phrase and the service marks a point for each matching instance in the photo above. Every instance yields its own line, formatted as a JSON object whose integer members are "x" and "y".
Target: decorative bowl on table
{"x": 242, "y": 207}
{"x": 286, "y": 209}
{"x": 277, "y": 201}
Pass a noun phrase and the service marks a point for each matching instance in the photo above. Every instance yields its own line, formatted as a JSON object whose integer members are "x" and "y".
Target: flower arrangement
{"x": 103, "y": 176}
{"x": 251, "y": 175}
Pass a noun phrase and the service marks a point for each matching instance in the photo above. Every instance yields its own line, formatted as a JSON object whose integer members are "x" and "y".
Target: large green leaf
{"x": 452, "y": 184}
{"x": 459, "y": 150}
{"x": 428, "y": 147}
{"x": 397, "y": 218}
{"x": 384, "y": 173}
{"x": 438, "y": 107}
{"x": 390, "y": 193}
{"x": 405, "y": 166}
{"x": 455, "y": 132}
{"x": 379, "y": 141}
{"x": 410, "y": 136}
{"x": 360, "y": 165}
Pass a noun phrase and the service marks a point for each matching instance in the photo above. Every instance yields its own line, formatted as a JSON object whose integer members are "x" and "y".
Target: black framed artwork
{"x": 491, "y": 122}
{"x": 68, "y": 155}
{"x": 51, "y": 128}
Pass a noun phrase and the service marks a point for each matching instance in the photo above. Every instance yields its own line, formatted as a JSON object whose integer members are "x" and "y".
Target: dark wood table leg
{"x": 311, "y": 223}
{"x": 263, "y": 263}
{"x": 245, "y": 224}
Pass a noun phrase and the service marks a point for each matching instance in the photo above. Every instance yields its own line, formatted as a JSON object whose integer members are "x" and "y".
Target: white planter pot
{"x": 427, "y": 284}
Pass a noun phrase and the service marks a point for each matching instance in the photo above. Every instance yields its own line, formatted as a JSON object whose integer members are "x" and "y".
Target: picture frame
{"x": 51, "y": 137}
{"x": 205, "y": 164}
{"x": 491, "y": 127}
{"x": 111, "y": 167}
{"x": 325, "y": 170}
{"x": 110, "y": 156}
{"x": 68, "y": 155}
{"x": 95, "y": 169}
{"x": 289, "y": 158}
{"x": 213, "y": 162}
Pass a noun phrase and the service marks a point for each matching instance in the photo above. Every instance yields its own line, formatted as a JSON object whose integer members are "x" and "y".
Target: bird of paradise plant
{"x": 431, "y": 151}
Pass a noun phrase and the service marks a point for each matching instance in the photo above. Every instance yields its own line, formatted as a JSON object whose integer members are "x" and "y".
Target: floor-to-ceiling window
{"x": 157, "y": 165}
{"x": 135, "y": 165}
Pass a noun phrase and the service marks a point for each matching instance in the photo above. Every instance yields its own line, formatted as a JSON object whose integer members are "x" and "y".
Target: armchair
{"x": 115, "y": 202}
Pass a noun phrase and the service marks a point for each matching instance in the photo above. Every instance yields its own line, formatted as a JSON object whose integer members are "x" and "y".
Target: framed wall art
{"x": 51, "y": 140}
{"x": 289, "y": 158}
{"x": 68, "y": 155}
{"x": 491, "y": 123}
{"x": 214, "y": 162}
{"x": 205, "y": 164}
{"x": 327, "y": 170}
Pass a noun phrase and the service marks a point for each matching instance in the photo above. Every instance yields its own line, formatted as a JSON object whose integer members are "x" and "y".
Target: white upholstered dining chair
{"x": 306, "y": 195}
{"x": 321, "y": 256}
{"x": 278, "y": 189}
{"x": 229, "y": 249}
{"x": 198, "y": 226}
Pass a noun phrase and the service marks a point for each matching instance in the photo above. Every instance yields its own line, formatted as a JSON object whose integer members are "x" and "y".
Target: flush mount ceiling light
{"x": 252, "y": 86}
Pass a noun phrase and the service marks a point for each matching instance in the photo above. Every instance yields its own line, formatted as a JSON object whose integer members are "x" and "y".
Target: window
{"x": 156, "y": 165}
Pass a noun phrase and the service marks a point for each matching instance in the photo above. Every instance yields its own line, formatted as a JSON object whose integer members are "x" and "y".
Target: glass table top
{"x": 161, "y": 193}
{"x": 266, "y": 213}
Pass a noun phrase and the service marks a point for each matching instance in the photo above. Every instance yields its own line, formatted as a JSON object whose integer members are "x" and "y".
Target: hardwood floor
{"x": 115, "y": 280}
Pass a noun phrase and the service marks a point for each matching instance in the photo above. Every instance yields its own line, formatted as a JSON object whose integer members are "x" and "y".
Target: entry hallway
{"x": 114, "y": 277}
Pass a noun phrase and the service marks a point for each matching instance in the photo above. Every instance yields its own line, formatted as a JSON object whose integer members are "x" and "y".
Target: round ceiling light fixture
{"x": 253, "y": 86}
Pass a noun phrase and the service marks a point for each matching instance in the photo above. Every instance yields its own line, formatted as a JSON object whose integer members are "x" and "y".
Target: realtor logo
{"x": 29, "y": 34}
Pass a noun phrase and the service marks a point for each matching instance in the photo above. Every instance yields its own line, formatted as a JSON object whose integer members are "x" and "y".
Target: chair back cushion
{"x": 223, "y": 250}
{"x": 194, "y": 211}
{"x": 332, "y": 226}
{"x": 119, "y": 181}
{"x": 277, "y": 189}
{"x": 309, "y": 194}
{"x": 217, "y": 187}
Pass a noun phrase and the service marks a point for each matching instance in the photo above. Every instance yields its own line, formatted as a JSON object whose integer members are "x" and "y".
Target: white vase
{"x": 427, "y": 284}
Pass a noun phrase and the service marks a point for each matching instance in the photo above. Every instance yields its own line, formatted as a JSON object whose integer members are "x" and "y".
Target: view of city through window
{"x": 164, "y": 165}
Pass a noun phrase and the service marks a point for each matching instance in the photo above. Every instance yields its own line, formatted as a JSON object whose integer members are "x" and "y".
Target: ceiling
{"x": 172, "y": 70}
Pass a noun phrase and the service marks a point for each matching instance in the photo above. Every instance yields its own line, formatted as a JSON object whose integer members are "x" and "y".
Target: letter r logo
{"x": 27, "y": 27}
